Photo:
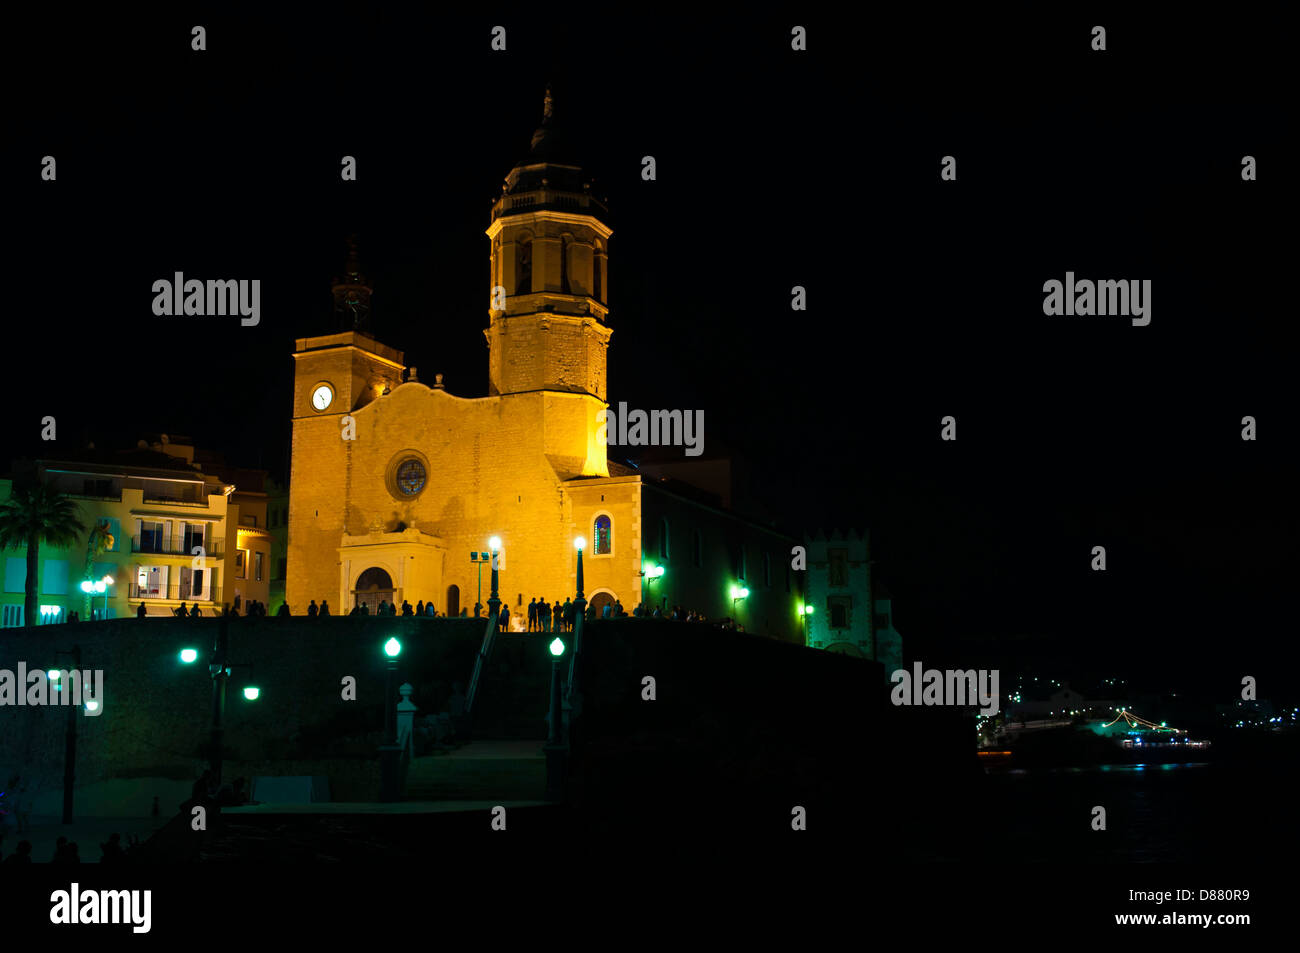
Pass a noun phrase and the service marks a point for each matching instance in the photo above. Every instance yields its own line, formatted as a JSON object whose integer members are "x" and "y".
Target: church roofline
{"x": 350, "y": 339}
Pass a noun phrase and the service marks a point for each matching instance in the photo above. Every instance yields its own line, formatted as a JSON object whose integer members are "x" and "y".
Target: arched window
{"x": 598, "y": 284}
{"x": 602, "y": 536}
{"x": 663, "y": 538}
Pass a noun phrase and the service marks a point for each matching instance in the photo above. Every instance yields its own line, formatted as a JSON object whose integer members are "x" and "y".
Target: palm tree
{"x": 32, "y": 515}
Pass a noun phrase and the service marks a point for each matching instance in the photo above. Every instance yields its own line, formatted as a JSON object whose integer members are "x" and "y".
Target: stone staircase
{"x": 483, "y": 770}
{"x": 514, "y": 689}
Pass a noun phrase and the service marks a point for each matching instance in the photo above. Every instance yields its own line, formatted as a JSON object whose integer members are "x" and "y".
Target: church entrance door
{"x": 373, "y": 585}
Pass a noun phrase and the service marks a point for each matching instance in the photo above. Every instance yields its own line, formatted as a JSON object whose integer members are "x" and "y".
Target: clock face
{"x": 322, "y": 397}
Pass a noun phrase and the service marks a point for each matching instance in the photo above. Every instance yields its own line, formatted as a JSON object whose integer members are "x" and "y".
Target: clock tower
{"x": 334, "y": 376}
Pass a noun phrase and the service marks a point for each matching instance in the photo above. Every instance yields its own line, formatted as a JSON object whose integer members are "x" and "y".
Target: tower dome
{"x": 548, "y": 176}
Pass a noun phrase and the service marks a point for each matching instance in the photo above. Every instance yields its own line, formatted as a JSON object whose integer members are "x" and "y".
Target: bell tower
{"x": 548, "y": 284}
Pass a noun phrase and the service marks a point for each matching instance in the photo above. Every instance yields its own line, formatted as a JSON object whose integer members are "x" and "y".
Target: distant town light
{"x": 392, "y": 648}
{"x": 189, "y": 655}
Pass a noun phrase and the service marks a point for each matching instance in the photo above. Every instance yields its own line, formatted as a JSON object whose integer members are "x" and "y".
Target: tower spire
{"x": 352, "y": 293}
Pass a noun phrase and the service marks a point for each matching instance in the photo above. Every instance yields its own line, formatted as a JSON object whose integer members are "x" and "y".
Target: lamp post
{"x": 494, "y": 600}
{"x": 388, "y": 780}
{"x": 573, "y": 698}
{"x": 556, "y": 744}
{"x": 220, "y": 669}
{"x": 494, "y": 608}
{"x": 807, "y": 611}
{"x": 96, "y": 587}
{"x": 70, "y": 731}
{"x": 479, "y": 559}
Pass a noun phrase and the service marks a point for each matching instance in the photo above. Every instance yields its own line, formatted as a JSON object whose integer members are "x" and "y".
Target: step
{"x": 507, "y": 769}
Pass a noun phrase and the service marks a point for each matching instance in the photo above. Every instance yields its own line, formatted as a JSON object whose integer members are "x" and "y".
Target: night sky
{"x": 775, "y": 168}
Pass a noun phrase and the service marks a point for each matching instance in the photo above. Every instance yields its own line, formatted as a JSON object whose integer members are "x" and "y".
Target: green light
{"x": 657, "y": 571}
{"x": 808, "y": 610}
{"x": 189, "y": 655}
{"x": 557, "y": 648}
{"x": 92, "y": 705}
{"x": 87, "y": 586}
{"x": 53, "y": 674}
{"x": 739, "y": 592}
{"x": 251, "y": 693}
{"x": 392, "y": 648}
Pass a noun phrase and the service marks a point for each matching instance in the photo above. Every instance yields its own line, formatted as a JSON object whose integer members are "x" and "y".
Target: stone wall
{"x": 157, "y": 711}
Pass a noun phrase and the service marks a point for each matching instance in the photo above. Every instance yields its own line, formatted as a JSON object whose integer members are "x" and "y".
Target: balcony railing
{"x": 176, "y": 592}
{"x": 177, "y": 546}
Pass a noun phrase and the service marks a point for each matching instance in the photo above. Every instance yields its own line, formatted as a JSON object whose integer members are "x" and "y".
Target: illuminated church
{"x": 395, "y": 481}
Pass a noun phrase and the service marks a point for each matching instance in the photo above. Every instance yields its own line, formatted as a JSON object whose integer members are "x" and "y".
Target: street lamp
{"x": 737, "y": 593}
{"x": 494, "y": 610}
{"x": 556, "y": 748}
{"x": 70, "y": 733}
{"x": 98, "y": 586}
{"x": 573, "y": 698}
{"x": 807, "y": 611}
{"x": 479, "y": 559}
{"x": 219, "y": 668}
{"x": 388, "y": 781}
{"x": 648, "y": 575}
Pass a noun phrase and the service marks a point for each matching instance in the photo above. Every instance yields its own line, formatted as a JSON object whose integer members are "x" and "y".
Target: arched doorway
{"x": 599, "y": 600}
{"x": 453, "y": 600}
{"x": 373, "y": 585}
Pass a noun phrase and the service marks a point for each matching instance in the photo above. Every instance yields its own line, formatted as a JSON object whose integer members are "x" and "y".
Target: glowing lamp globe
{"x": 557, "y": 648}
{"x": 189, "y": 655}
{"x": 251, "y": 693}
{"x": 392, "y": 648}
{"x": 494, "y": 544}
{"x": 579, "y": 544}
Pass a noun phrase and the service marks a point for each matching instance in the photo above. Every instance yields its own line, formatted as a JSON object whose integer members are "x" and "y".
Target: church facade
{"x": 395, "y": 482}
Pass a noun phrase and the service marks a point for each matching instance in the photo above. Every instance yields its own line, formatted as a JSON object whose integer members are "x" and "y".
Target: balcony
{"x": 176, "y": 592}
{"x": 213, "y": 548}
